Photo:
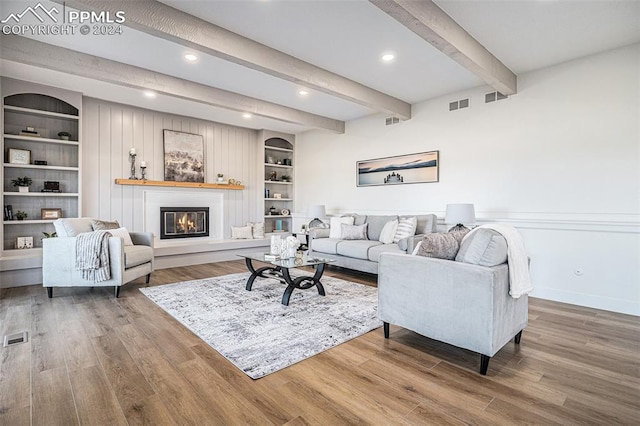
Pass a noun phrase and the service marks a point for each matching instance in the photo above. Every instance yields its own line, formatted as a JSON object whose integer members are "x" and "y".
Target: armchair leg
{"x": 518, "y": 337}
{"x": 148, "y": 277}
{"x": 484, "y": 364}
{"x": 50, "y": 292}
{"x": 117, "y": 291}
{"x": 385, "y": 325}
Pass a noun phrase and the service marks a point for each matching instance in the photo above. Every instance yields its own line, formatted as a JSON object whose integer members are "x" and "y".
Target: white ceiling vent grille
{"x": 494, "y": 96}
{"x": 462, "y": 103}
{"x": 391, "y": 120}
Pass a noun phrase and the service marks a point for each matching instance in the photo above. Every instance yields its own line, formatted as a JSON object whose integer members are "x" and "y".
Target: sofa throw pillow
{"x": 241, "y": 232}
{"x": 101, "y": 225}
{"x": 122, "y": 233}
{"x": 335, "y": 228}
{"x": 257, "y": 229}
{"x": 388, "y": 232}
{"x": 406, "y": 227}
{"x": 354, "y": 232}
{"x": 440, "y": 246}
{"x": 484, "y": 247}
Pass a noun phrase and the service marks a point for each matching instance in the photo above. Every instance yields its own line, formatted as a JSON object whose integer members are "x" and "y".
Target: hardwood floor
{"x": 94, "y": 359}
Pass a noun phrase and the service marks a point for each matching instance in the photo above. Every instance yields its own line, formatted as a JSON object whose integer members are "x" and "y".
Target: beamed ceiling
{"x": 255, "y": 56}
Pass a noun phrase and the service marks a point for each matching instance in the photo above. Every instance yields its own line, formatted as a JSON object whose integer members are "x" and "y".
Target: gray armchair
{"x": 465, "y": 305}
{"x": 126, "y": 262}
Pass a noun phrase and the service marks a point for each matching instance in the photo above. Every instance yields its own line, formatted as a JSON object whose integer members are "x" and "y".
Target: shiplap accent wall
{"x": 111, "y": 129}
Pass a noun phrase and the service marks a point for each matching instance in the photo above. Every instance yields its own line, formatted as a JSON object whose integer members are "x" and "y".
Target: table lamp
{"x": 460, "y": 214}
{"x": 317, "y": 212}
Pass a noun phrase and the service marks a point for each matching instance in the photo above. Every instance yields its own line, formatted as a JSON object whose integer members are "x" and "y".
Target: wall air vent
{"x": 462, "y": 103}
{"x": 494, "y": 96}
{"x": 391, "y": 120}
{"x": 15, "y": 339}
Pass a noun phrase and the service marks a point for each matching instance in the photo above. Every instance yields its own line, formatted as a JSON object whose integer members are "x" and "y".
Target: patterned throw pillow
{"x": 388, "y": 232}
{"x": 406, "y": 228}
{"x": 122, "y": 233}
{"x": 440, "y": 246}
{"x": 354, "y": 232}
{"x": 101, "y": 225}
{"x": 241, "y": 232}
{"x": 257, "y": 229}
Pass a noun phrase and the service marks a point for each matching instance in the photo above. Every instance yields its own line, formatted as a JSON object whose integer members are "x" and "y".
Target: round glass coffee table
{"x": 279, "y": 269}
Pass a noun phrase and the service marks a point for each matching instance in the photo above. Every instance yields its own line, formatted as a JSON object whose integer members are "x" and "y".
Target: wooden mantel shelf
{"x": 178, "y": 184}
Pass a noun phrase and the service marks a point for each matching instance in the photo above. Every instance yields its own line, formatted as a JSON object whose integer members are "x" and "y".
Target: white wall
{"x": 111, "y": 129}
{"x": 560, "y": 160}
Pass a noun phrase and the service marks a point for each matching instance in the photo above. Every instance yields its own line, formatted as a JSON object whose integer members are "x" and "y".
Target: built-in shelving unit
{"x": 32, "y": 117}
{"x": 278, "y": 183}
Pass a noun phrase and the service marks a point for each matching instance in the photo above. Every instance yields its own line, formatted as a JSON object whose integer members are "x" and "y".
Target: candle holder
{"x": 143, "y": 172}
{"x": 132, "y": 160}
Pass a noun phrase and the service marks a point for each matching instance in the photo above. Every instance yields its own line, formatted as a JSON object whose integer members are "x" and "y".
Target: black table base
{"x": 282, "y": 273}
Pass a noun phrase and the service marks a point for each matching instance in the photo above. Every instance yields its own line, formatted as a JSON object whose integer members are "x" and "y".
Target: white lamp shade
{"x": 464, "y": 214}
{"x": 317, "y": 211}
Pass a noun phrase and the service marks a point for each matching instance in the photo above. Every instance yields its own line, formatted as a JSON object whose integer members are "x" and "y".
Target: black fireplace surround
{"x": 184, "y": 222}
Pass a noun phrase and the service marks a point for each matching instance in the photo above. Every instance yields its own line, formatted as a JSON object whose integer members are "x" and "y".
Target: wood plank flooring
{"x": 92, "y": 359}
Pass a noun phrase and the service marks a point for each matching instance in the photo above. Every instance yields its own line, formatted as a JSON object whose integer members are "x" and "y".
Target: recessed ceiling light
{"x": 388, "y": 57}
{"x": 247, "y": 115}
{"x": 190, "y": 57}
{"x": 303, "y": 92}
{"x": 149, "y": 94}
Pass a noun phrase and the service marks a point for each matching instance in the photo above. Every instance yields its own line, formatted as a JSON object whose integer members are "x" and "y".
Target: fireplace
{"x": 184, "y": 222}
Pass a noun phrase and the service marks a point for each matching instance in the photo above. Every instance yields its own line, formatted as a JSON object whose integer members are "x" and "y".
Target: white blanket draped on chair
{"x": 92, "y": 255}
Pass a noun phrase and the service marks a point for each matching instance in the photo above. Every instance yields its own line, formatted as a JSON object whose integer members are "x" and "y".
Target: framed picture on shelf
{"x": 19, "y": 156}
{"x": 51, "y": 213}
{"x": 183, "y": 157}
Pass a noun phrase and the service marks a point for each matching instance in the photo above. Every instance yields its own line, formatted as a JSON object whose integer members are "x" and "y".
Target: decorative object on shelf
{"x": 20, "y": 215}
{"x": 273, "y": 175}
{"x": 317, "y": 212}
{"x": 276, "y": 245}
{"x": 51, "y": 186}
{"x": 30, "y": 131}
{"x": 411, "y": 168}
{"x": 50, "y": 213}
{"x": 277, "y": 195}
{"x": 132, "y": 160}
{"x": 183, "y": 157}
{"x": 220, "y": 178}
{"x": 278, "y": 227}
{"x": 460, "y": 215}
{"x": 270, "y": 160}
{"x": 8, "y": 212}
{"x": 232, "y": 181}
{"x": 272, "y": 210}
{"x": 238, "y": 182}
{"x": 279, "y": 162}
{"x": 64, "y": 135}
{"x": 286, "y": 178}
{"x": 143, "y": 170}
{"x": 287, "y": 161}
{"x": 266, "y": 193}
{"x": 23, "y": 183}
{"x": 24, "y": 242}
{"x": 40, "y": 162}
{"x": 19, "y": 156}
{"x": 49, "y": 234}
{"x": 285, "y": 212}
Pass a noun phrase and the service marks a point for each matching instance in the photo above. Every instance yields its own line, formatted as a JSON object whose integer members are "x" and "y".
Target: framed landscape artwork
{"x": 183, "y": 157}
{"x": 410, "y": 168}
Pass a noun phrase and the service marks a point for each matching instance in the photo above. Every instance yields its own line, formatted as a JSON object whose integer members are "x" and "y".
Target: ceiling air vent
{"x": 391, "y": 120}
{"x": 462, "y": 103}
{"x": 494, "y": 96}
{"x": 15, "y": 339}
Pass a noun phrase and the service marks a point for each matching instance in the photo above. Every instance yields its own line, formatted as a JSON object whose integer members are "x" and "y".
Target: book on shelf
{"x": 28, "y": 133}
{"x": 8, "y": 212}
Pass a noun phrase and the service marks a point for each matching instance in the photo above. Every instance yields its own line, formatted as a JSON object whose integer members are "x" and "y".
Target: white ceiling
{"x": 345, "y": 37}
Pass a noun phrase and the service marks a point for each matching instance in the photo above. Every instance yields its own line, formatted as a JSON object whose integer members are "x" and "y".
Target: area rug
{"x": 258, "y": 334}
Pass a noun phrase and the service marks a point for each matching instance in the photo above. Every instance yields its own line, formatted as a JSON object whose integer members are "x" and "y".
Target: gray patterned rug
{"x": 258, "y": 334}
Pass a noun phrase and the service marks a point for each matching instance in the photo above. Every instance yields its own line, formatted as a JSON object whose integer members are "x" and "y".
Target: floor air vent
{"x": 15, "y": 339}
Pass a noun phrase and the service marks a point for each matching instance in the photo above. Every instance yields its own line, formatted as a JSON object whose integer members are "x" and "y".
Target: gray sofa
{"x": 363, "y": 255}
{"x": 463, "y": 304}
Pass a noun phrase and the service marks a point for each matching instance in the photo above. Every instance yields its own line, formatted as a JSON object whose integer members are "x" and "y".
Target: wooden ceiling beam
{"x": 163, "y": 21}
{"x": 27, "y": 51}
{"x": 431, "y": 23}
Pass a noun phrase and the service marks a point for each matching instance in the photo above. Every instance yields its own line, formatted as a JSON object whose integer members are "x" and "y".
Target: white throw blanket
{"x": 92, "y": 255}
{"x": 519, "y": 278}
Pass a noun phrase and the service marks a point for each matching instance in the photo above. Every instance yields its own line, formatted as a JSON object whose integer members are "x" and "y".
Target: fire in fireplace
{"x": 184, "y": 222}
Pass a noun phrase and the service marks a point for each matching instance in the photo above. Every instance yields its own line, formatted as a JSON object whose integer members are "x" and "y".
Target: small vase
{"x": 291, "y": 252}
{"x": 23, "y": 189}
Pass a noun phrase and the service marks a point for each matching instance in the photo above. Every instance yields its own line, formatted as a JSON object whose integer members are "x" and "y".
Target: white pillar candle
{"x": 132, "y": 151}
{"x": 143, "y": 164}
